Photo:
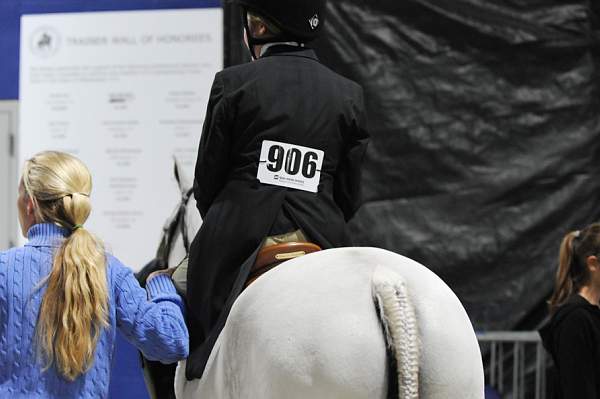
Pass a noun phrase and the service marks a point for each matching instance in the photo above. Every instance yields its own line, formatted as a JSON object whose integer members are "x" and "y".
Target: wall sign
{"x": 125, "y": 92}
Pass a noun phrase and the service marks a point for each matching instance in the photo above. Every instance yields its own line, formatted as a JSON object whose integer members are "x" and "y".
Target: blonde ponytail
{"x": 74, "y": 309}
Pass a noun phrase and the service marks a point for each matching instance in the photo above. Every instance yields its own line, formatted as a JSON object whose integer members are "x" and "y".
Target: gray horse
{"x": 347, "y": 323}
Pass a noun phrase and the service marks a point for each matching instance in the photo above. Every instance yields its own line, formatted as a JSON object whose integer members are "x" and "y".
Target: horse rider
{"x": 279, "y": 160}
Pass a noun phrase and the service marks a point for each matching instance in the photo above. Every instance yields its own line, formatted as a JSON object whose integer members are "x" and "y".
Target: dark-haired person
{"x": 62, "y": 298}
{"x": 573, "y": 334}
{"x": 279, "y": 160}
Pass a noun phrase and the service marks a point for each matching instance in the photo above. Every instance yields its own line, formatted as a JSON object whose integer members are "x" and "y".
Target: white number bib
{"x": 290, "y": 165}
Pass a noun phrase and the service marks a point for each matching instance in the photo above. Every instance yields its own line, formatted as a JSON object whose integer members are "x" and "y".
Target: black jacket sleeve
{"x": 574, "y": 356}
{"x": 212, "y": 165}
{"x": 347, "y": 188}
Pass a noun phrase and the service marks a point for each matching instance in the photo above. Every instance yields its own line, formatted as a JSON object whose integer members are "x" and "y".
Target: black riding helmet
{"x": 298, "y": 20}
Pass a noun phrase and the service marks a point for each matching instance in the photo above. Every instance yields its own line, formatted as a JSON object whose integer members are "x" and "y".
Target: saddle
{"x": 274, "y": 255}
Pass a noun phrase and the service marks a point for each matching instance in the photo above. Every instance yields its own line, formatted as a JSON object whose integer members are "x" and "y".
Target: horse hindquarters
{"x": 310, "y": 329}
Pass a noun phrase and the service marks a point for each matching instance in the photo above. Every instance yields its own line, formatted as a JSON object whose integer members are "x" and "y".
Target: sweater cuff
{"x": 161, "y": 285}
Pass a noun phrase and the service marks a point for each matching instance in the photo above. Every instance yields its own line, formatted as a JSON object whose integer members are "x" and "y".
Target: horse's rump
{"x": 310, "y": 328}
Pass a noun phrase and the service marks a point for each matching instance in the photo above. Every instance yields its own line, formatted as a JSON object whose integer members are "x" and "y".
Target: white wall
{"x": 8, "y": 174}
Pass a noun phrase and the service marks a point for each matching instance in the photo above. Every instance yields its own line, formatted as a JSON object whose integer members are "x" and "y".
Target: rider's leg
{"x": 294, "y": 236}
{"x": 179, "y": 277}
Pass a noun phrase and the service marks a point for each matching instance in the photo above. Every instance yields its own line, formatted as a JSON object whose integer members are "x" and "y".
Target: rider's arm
{"x": 347, "y": 189}
{"x": 152, "y": 321}
{"x": 212, "y": 165}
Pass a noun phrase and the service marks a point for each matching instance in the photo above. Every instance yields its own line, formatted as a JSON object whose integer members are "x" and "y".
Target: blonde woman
{"x": 62, "y": 298}
{"x": 573, "y": 334}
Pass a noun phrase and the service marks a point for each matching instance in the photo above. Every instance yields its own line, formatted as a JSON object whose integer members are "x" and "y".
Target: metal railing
{"x": 515, "y": 363}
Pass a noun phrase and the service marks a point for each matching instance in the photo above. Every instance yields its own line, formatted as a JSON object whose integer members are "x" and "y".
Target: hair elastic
{"x": 72, "y": 194}
{"x": 77, "y": 227}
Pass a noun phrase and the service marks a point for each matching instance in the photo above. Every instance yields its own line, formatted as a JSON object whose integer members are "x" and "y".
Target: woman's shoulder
{"x": 578, "y": 315}
{"x": 11, "y": 251}
{"x": 13, "y": 255}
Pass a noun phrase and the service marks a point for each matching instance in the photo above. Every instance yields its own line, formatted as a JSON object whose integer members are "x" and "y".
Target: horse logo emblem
{"x": 45, "y": 42}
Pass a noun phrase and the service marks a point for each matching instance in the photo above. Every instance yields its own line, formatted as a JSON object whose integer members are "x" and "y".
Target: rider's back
{"x": 289, "y": 97}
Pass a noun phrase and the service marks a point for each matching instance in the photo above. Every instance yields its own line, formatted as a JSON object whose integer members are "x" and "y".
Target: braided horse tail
{"x": 399, "y": 321}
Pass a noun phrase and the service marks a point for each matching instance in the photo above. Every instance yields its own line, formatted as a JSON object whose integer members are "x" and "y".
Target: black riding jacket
{"x": 286, "y": 96}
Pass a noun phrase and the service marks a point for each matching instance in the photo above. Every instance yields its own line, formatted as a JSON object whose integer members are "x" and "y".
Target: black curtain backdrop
{"x": 485, "y": 124}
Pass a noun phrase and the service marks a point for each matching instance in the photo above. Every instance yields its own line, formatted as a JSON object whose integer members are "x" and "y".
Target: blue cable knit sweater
{"x": 154, "y": 326}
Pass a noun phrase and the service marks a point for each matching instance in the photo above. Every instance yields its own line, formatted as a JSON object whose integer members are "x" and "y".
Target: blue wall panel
{"x": 126, "y": 378}
{"x": 10, "y": 15}
{"x": 10, "y": 11}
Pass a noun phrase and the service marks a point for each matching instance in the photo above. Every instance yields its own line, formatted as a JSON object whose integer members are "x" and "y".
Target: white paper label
{"x": 289, "y": 165}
